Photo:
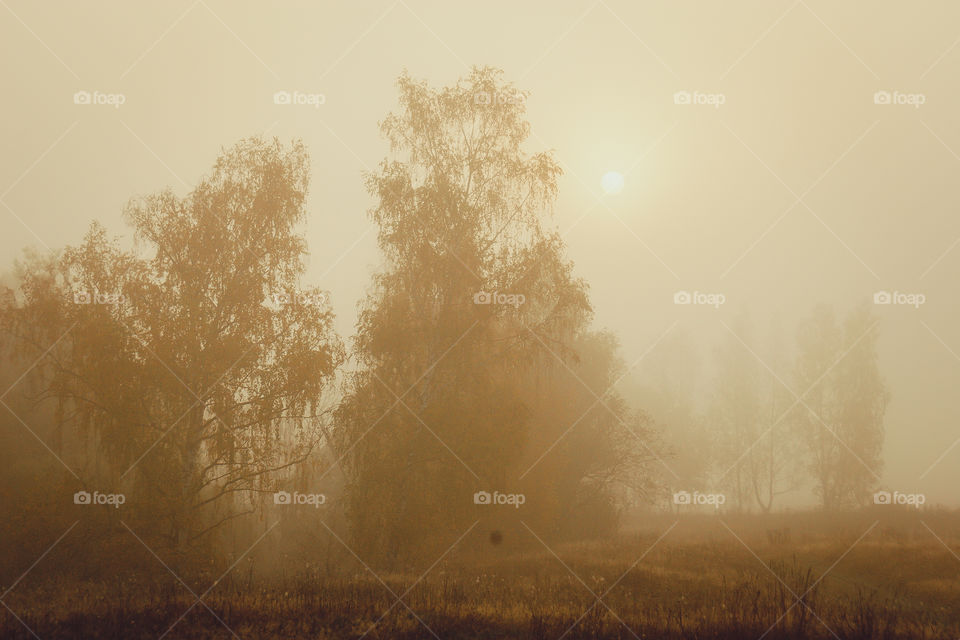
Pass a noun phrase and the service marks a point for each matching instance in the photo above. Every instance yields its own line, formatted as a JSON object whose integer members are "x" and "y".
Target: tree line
{"x": 198, "y": 373}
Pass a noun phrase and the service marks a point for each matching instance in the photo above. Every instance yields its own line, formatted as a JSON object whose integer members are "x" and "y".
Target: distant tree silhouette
{"x": 841, "y": 418}
{"x": 755, "y": 446}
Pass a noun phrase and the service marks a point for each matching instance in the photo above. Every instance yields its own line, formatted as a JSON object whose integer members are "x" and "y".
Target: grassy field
{"x": 871, "y": 575}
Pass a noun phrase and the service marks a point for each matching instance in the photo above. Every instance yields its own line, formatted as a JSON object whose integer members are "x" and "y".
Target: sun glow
{"x": 612, "y": 182}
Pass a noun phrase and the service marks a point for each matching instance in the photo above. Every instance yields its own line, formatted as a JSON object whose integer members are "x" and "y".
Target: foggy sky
{"x": 711, "y": 198}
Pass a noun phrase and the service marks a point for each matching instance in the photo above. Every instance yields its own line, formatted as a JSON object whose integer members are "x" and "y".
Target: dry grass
{"x": 699, "y": 582}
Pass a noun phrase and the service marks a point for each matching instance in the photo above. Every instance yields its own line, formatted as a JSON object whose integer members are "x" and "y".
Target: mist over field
{"x": 419, "y": 319}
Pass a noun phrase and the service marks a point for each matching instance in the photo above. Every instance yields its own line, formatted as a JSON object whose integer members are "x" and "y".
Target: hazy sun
{"x": 612, "y": 182}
